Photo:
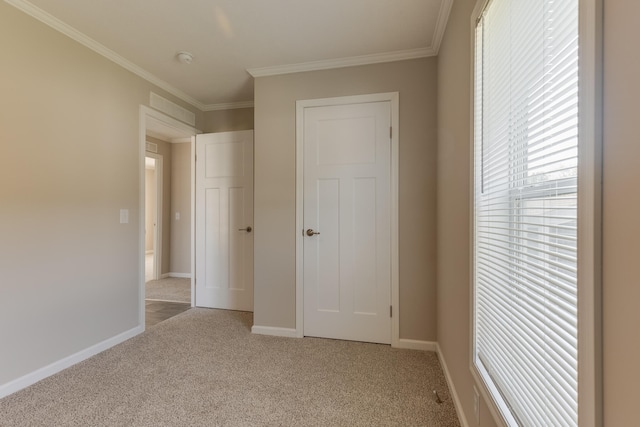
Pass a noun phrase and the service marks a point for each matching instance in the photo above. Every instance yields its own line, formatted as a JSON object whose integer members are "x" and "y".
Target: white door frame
{"x": 147, "y": 114}
{"x": 157, "y": 230}
{"x": 393, "y": 98}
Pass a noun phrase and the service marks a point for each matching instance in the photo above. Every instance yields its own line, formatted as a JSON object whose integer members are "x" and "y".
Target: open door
{"x": 224, "y": 220}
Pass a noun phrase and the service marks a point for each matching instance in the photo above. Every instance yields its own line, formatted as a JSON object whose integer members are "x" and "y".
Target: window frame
{"x": 589, "y": 219}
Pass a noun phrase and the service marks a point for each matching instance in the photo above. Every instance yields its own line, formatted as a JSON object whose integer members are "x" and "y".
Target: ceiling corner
{"x": 441, "y": 25}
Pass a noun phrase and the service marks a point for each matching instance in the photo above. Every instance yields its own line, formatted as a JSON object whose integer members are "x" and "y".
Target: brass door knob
{"x": 310, "y": 232}
{"x": 248, "y": 229}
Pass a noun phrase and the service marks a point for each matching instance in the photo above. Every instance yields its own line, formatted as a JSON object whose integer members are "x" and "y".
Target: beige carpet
{"x": 204, "y": 368}
{"x": 170, "y": 289}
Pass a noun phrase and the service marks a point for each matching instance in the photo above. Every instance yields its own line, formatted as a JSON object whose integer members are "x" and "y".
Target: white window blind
{"x": 525, "y": 242}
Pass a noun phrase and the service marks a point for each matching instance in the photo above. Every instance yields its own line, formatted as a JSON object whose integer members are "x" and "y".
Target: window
{"x": 528, "y": 210}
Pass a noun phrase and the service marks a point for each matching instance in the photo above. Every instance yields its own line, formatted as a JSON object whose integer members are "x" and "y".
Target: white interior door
{"x": 224, "y": 220}
{"x": 347, "y": 222}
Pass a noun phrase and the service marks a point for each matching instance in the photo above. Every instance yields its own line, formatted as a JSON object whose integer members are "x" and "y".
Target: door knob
{"x": 248, "y": 229}
{"x": 310, "y": 232}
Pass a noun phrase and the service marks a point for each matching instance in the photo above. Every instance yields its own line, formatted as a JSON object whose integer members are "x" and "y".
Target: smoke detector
{"x": 185, "y": 57}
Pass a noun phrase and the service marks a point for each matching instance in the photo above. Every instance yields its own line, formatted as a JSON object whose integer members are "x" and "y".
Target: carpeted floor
{"x": 170, "y": 289}
{"x": 204, "y": 368}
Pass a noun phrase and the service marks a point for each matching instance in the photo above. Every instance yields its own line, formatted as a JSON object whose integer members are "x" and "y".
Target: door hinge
{"x": 390, "y": 311}
{"x": 390, "y": 132}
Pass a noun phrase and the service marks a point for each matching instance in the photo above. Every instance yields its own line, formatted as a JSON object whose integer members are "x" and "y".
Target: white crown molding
{"x": 69, "y": 31}
{"x": 438, "y": 34}
{"x": 352, "y": 61}
{"x": 441, "y": 24}
{"x": 228, "y": 106}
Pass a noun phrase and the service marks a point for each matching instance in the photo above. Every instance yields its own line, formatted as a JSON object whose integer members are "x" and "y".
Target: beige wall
{"x": 69, "y": 161}
{"x": 181, "y": 202}
{"x": 275, "y": 99}
{"x": 621, "y": 212}
{"x": 164, "y": 150}
{"x": 621, "y": 209}
{"x": 454, "y": 179}
{"x": 228, "y": 120}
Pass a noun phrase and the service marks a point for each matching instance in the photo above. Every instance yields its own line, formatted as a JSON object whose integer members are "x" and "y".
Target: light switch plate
{"x": 124, "y": 216}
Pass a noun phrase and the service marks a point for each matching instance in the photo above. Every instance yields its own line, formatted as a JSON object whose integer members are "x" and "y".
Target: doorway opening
{"x": 153, "y": 215}
{"x": 165, "y": 283}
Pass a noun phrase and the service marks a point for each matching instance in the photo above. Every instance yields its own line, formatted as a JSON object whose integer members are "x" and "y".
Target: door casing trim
{"x": 394, "y": 99}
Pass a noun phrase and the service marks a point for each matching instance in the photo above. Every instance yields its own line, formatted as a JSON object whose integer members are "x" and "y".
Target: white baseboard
{"x": 55, "y": 367}
{"x": 417, "y": 345}
{"x": 276, "y": 332}
{"x": 177, "y": 275}
{"x": 452, "y": 389}
{"x": 181, "y": 275}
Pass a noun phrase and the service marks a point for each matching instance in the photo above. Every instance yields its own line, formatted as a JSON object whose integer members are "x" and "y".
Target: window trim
{"x": 590, "y": 399}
